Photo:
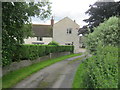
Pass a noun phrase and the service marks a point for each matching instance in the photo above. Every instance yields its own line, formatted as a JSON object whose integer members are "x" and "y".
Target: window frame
{"x": 39, "y": 39}
{"x": 69, "y": 30}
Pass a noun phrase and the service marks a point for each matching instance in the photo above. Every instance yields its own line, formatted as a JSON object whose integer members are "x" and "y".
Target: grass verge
{"x": 12, "y": 78}
{"x": 78, "y": 78}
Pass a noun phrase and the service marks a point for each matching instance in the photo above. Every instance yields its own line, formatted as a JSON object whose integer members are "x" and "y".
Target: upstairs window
{"x": 69, "y": 31}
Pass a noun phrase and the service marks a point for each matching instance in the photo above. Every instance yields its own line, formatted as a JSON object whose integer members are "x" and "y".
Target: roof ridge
{"x": 67, "y": 18}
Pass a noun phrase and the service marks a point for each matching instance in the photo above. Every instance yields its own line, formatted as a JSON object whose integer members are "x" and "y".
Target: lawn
{"x": 12, "y": 78}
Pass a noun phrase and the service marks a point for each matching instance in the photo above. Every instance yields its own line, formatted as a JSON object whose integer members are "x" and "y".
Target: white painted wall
{"x": 45, "y": 40}
{"x": 30, "y": 40}
{"x": 60, "y": 33}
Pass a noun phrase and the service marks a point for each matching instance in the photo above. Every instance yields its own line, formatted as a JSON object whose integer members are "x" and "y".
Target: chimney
{"x": 74, "y": 21}
{"x": 52, "y": 21}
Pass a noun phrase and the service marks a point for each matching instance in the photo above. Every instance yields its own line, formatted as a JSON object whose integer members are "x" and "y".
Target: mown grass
{"x": 78, "y": 80}
{"x": 12, "y": 78}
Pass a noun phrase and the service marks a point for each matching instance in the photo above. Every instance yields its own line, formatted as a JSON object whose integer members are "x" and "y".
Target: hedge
{"x": 31, "y": 52}
{"x": 101, "y": 70}
{"x": 107, "y": 33}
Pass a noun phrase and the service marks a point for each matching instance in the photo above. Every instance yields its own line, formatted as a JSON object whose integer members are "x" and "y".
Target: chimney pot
{"x": 52, "y": 21}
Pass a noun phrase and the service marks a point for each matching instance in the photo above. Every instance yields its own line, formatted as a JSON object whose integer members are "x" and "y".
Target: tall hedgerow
{"x": 106, "y": 33}
{"x": 32, "y": 52}
{"x": 102, "y": 68}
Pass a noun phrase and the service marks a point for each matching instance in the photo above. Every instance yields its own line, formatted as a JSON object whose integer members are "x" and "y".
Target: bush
{"x": 31, "y": 52}
{"x": 34, "y": 51}
{"x": 101, "y": 70}
{"x": 106, "y": 33}
{"x": 53, "y": 43}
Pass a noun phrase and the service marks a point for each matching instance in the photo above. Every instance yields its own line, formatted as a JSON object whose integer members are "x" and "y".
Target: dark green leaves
{"x": 100, "y": 11}
{"x": 16, "y": 24}
{"x": 31, "y": 52}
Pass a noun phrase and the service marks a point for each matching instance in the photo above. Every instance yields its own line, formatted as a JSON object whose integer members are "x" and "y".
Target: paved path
{"x": 58, "y": 75}
{"x": 82, "y": 50}
{"x": 75, "y": 57}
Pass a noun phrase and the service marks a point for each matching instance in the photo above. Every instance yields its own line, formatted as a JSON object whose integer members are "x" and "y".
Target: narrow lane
{"x": 58, "y": 75}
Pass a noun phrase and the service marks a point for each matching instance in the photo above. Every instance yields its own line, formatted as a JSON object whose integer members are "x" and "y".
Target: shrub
{"x": 31, "y": 52}
{"x": 34, "y": 51}
{"x": 106, "y": 33}
{"x": 102, "y": 69}
{"x": 53, "y": 43}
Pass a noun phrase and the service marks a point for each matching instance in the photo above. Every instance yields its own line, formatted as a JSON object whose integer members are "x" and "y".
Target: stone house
{"x": 42, "y": 34}
{"x": 65, "y": 32}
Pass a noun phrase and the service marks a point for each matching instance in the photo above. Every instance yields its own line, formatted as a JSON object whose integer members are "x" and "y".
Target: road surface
{"x": 58, "y": 75}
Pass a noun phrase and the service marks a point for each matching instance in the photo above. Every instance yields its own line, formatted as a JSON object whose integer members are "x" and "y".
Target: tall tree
{"x": 100, "y": 11}
{"x": 16, "y": 24}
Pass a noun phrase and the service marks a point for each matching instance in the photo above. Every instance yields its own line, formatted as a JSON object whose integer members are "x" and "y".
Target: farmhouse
{"x": 65, "y": 32}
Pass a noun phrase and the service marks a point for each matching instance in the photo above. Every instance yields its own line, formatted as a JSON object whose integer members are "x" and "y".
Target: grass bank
{"x": 78, "y": 80}
{"x": 12, "y": 78}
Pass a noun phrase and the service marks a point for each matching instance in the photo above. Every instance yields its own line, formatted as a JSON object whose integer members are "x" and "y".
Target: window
{"x": 68, "y": 44}
{"x": 39, "y": 38}
{"x": 69, "y": 31}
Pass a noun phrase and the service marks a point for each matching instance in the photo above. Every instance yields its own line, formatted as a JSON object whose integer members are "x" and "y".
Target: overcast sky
{"x": 74, "y": 9}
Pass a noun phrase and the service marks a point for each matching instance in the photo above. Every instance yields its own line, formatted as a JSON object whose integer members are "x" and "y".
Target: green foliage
{"x": 100, "y": 70}
{"x": 16, "y": 24}
{"x": 31, "y": 52}
{"x": 53, "y": 43}
{"x": 78, "y": 78}
{"x": 103, "y": 68}
{"x": 106, "y": 33}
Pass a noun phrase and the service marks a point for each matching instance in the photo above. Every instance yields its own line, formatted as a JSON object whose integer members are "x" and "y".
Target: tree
{"x": 100, "y": 11}
{"x": 16, "y": 24}
{"x": 83, "y": 30}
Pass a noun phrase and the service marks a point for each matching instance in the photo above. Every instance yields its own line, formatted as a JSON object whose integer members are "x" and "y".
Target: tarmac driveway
{"x": 58, "y": 75}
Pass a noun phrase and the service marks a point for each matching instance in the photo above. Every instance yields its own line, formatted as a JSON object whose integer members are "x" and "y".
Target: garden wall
{"x": 16, "y": 65}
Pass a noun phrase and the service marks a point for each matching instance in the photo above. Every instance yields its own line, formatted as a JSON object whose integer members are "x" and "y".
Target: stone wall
{"x": 23, "y": 63}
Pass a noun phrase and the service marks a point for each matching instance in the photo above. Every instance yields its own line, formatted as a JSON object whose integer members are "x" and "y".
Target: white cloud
{"x": 74, "y": 9}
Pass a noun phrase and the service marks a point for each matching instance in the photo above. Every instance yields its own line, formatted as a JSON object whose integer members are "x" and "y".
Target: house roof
{"x": 42, "y": 30}
{"x": 68, "y": 19}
